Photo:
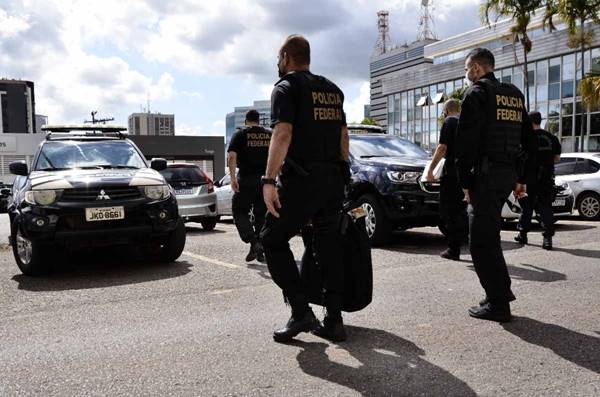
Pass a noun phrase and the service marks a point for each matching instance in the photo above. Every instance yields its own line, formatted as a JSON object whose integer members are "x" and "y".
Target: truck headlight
{"x": 41, "y": 197}
{"x": 403, "y": 176}
{"x": 158, "y": 192}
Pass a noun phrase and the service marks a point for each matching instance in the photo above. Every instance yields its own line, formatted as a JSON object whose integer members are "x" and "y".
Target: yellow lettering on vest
{"x": 315, "y": 97}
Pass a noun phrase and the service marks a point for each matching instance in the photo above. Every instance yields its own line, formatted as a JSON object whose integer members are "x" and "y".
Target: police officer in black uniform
{"x": 309, "y": 153}
{"x": 540, "y": 186}
{"x": 493, "y": 130}
{"x": 453, "y": 207}
{"x": 248, "y": 151}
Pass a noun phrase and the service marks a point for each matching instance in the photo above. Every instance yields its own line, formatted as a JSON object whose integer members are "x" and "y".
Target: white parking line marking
{"x": 210, "y": 260}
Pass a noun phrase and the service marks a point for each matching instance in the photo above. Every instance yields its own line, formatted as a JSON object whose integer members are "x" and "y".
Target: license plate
{"x": 183, "y": 191}
{"x": 559, "y": 203}
{"x": 104, "y": 214}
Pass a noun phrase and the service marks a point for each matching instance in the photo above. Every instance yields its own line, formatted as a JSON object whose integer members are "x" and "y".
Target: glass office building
{"x": 407, "y": 95}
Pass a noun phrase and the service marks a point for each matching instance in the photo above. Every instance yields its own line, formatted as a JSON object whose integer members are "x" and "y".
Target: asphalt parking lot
{"x": 106, "y": 323}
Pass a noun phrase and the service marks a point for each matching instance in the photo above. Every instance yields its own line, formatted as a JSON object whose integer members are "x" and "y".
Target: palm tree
{"x": 589, "y": 88}
{"x": 575, "y": 13}
{"x": 521, "y": 12}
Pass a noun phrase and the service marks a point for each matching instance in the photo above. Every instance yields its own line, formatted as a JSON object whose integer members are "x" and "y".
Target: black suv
{"x": 386, "y": 180}
{"x": 90, "y": 186}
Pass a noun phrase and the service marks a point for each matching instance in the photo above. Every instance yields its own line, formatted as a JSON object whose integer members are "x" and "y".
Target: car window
{"x": 384, "y": 146}
{"x": 192, "y": 175}
{"x": 590, "y": 167}
{"x": 566, "y": 166}
{"x": 95, "y": 154}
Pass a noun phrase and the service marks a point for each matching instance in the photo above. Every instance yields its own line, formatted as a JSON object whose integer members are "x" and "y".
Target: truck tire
{"x": 28, "y": 254}
{"x": 172, "y": 247}
{"x": 379, "y": 228}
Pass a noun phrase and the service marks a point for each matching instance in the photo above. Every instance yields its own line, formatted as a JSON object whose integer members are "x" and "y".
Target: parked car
{"x": 91, "y": 186}
{"x": 386, "y": 181}
{"x": 195, "y": 193}
{"x": 562, "y": 204}
{"x": 582, "y": 172}
{"x": 224, "y": 198}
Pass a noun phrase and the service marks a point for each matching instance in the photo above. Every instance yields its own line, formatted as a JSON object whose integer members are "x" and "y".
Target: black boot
{"x": 252, "y": 254}
{"x": 492, "y": 311}
{"x": 304, "y": 323}
{"x": 332, "y": 329}
{"x": 547, "y": 244}
{"x": 260, "y": 253}
{"x": 521, "y": 238}
{"x": 486, "y": 300}
{"x": 451, "y": 254}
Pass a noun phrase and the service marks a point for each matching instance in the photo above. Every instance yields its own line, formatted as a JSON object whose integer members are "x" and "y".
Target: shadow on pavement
{"x": 580, "y": 349}
{"x": 424, "y": 243}
{"x": 97, "y": 269}
{"x": 531, "y": 273}
{"x": 195, "y": 231}
{"x": 575, "y": 251}
{"x": 559, "y": 227}
{"x": 261, "y": 269}
{"x": 387, "y": 366}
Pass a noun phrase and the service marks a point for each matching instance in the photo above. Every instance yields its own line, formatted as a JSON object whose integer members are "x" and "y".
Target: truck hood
{"x": 69, "y": 179}
{"x": 397, "y": 163}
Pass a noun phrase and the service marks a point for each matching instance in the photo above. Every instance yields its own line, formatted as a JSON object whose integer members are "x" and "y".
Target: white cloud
{"x": 216, "y": 129}
{"x": 355, "y": 108}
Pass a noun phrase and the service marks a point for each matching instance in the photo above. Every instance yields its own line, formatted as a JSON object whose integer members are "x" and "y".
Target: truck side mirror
{"x": 18, "y": 168}
{"x": 158, "y": 164}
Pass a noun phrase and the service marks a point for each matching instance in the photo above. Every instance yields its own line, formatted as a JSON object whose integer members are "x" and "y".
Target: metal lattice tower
{"x": 426, "y": 23}
{"x": 384, "y": 42}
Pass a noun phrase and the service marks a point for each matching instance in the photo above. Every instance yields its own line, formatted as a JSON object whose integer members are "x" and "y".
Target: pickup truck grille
{"x": 115, "y": 193}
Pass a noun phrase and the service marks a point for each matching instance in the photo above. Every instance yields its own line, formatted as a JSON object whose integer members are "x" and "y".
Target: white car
{"x": 581, "y": 171}
{"x": 224, "y": 196}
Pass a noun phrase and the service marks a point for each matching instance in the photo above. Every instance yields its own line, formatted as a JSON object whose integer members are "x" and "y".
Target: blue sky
{"x": 194, "y": 58}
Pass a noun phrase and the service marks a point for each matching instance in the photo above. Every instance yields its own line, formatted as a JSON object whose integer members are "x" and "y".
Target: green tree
{"x": 369, "y": 121}
{"x": 575, "y": 13}
{"x": 521, "y": 12}
{"x": 589, "y": 88}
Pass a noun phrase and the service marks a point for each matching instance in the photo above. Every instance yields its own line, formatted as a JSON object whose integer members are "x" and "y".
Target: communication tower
{"x": 383, "y": 41}
{"x": 426, "y": 23}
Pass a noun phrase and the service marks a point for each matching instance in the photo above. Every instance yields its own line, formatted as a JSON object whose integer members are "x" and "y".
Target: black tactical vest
{"x": 506, "y": 109}
{"x": 319, "y": 118}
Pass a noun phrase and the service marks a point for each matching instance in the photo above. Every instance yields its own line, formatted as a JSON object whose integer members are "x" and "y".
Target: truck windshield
{"x": 384, "y": 146}
{"x": 88, "y": 155}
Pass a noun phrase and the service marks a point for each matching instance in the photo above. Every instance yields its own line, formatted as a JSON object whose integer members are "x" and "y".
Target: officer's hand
{"x": 430, "y": 177}
{"x": 467, "y": 196}
{"x": 271, "y": 199}
{"x": 520, "y": 191}
{"x": 235, "y": 186}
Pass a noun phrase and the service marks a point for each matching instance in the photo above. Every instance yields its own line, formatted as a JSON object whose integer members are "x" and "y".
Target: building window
{"x": 137, "y": 125}
{"x": 554, "y": 79}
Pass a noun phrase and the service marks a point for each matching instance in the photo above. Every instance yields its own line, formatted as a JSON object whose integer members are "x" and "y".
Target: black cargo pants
{"x": 317, "y": 197}
{"x": 453, "y": 211}
{"x": 488, "y": 196}
{"x": 249, "y": 197}
{"x": 539, "y": 197}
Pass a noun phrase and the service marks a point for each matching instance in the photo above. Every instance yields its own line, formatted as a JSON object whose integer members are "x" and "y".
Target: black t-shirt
{"x": 548, "y": 147}
{"x": 252, "y": 148}
{"x": 447, "y": 137}
{"x": 314, "y": 106}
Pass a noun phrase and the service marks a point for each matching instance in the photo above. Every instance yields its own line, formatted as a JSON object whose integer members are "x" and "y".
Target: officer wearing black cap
{"x": 540, "y": 186}
{"x": 248, "y": 151}
{"x": 309, "y": 154}
{"x": 493, "y": 130}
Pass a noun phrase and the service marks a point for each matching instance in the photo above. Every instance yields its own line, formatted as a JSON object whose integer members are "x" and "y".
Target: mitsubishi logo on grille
{"x": 103, "y": 196}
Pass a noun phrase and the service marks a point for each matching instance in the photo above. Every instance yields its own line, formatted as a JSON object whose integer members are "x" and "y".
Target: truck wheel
{"x": 208, "y": 223}
{"x": 172, "y": 247}
{"x": 588, "y": 206}
{"x": 378, "y": 227}
{"x": 28, "y": 254}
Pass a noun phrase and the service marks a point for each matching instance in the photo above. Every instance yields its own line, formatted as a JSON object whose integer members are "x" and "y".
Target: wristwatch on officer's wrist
{"x": 268, "y": 181}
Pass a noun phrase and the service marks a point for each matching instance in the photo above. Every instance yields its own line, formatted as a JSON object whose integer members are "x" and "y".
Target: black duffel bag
{"x": 358, "y": 268}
